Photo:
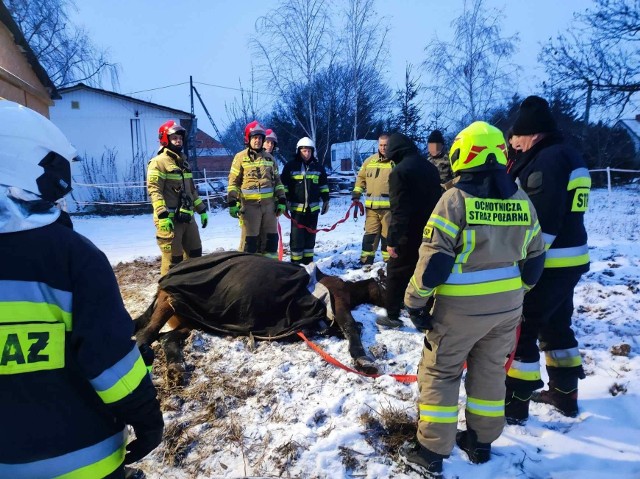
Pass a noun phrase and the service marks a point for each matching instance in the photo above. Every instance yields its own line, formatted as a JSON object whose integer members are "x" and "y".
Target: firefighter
{"x": 270, "y": 146}
{"x": 438, "y": 157}
{"x": 256, "y": 192}
{"x": 481, "y": 248}
{"x": 71, "y": 377}
{"x": 373, "y": 178}
{"x": 556, "y": 179}
{"x": 414, "y": 189}
{"x": 305, "y": 183}
{"x": 174, "y": 199}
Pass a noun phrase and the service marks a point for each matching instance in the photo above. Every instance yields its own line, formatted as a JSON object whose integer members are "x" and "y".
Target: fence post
{"x": 206, "y": 182}
{"x": 609, "y": 179}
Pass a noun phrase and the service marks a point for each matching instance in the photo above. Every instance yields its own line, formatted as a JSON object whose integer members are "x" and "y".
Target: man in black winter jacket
{"x": 414, "y": 190}
{"x": 556, "y": 179}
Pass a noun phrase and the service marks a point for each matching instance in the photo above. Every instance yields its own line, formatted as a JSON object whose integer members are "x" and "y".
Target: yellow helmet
{"x": 475, "y": 146}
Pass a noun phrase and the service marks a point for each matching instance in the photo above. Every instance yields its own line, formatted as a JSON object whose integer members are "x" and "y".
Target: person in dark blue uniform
{"x": 557, "y": 180}
{"x": 71, "y": 377}
{"x": 305, "y": 184}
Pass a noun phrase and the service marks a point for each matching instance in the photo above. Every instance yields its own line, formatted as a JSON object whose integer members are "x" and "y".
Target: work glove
{"x": 164, "y": 222}
{"x": 325, "y": 207}
{"x": 281, "y": 207}
{"x": 147, "y": 439}
{"x": 204, "y": 219}
{"x": 234, "y": 208}
{"x": 421, "y": 318}
{"x": 147, "y": 356}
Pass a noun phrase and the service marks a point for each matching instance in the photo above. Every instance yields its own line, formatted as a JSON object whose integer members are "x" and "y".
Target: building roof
{"x": 7, "y": 20}
{"x": 633, "y": 125}
{"x": 204, "y": 140}
{"x": 120, "y": 96}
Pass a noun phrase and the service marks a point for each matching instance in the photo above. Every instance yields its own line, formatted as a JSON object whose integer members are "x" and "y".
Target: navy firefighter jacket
{"x": 69, "y": 370}
{"x": 557, "y": 180}
{"x": 305, "y": 184}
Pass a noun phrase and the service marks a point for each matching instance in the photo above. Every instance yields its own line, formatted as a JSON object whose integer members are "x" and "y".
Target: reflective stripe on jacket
{"x": 373, "y": 178}
{"x": 253, "y": 177}
{"x": 484, "y": 242}
{"x": 305, "y": 185}
{"x": 167, "y": 175}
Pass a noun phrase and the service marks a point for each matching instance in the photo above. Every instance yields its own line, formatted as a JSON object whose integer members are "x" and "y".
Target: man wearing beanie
{"x": 556, "y": 179}
{"x": 437, "y": 156}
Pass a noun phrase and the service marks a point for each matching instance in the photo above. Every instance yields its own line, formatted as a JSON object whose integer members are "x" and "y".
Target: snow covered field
{"x": 278, "y": 410}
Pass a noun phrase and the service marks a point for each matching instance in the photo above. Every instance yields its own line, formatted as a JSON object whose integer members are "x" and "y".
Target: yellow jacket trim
{"x": 120, "y": 379}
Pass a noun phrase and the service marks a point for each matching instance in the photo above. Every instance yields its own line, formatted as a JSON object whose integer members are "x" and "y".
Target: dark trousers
{"x": 547, "y": 312}
{"x": 399, "y": 272}
{"x": 302, "y": 243}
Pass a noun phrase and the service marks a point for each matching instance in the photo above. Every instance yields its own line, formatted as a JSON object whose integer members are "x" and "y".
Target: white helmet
{"x": 305, "y": 142}
{"x": 35, "y": 155}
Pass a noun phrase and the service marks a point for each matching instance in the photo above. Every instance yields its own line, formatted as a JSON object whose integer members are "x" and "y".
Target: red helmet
{"x": 271, "y": 135}
{"x": 252, "y": 129}
{"x": 169, "y": 128}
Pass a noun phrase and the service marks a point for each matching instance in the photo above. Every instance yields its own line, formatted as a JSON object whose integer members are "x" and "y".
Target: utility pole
{"x": 193, "y": 89}
{"x": 191, "y": 145}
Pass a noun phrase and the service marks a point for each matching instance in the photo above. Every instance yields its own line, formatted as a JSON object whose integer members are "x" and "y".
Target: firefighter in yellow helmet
{"x": 174, "y": 198}
{"x": 482, "y": 248}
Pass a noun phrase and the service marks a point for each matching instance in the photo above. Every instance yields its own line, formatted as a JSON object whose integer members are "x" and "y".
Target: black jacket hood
{"x": 399, "y": 146}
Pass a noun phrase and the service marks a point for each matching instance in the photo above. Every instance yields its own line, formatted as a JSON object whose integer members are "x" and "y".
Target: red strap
{"x": 280, "y": 246}
{"x": 403, "y": 378}
{"x": 346, "y": 216}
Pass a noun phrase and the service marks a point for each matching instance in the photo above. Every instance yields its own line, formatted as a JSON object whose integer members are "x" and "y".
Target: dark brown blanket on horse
{"x": 240, "y": 294}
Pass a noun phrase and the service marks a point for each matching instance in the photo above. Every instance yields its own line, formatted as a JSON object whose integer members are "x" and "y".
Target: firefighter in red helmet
{"x": 174, "y": 199}
{"x": 256, "y": 192}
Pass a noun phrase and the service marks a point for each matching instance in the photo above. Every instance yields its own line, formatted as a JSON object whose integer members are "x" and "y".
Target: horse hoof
{"x": 366, "y": 365}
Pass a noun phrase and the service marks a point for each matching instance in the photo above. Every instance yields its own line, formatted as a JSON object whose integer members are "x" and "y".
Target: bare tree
{"x": 597, "y": 60}
{"x": 239, "y": 113}
{"x": 364, "y": 44}
{"x": 472, "y": 73}
{"x": 65, "y": 51}
{"x": 294, "y": 44}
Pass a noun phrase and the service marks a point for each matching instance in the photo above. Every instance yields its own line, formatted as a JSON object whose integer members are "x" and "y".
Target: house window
{"x": 75, "y": 105}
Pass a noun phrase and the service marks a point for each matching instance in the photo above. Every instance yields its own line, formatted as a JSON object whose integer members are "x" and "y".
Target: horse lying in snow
{"x": 241, "y": 294}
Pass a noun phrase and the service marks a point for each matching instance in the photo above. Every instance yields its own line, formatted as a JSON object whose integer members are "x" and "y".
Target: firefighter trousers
{"x": 260, "y": 216}
{"x": 376, "y": 227}
{"x": 182, "y": 240}
{"x": 302, "y": 243}
{"x": 483, "y": 341}
{"x": 547, "y": 312}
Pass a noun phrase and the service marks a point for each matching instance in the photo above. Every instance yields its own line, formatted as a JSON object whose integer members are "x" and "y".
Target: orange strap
{"x": 403, "y": 378}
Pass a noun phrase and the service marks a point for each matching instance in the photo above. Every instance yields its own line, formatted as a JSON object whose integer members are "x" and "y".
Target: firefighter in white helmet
{"x": 71, "y": 377}
{"x": 482, "y": 248}
{"x": 305, "y": 183}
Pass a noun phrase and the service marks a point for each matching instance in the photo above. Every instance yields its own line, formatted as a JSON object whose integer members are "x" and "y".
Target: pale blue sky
{"x": 159, "y": 43}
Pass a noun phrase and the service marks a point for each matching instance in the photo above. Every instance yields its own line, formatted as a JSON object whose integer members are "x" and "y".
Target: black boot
{"x": 422, "y": 460}
{"x": 516, "y": 408}
{"x": 478, "y": 452}
{"x": 565, "y": 402}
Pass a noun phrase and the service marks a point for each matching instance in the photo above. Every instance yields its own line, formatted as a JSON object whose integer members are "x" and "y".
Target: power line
{"x": 157, "y": 88}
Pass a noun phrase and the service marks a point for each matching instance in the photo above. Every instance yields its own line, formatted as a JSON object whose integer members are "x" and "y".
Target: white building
{"x": 115, "y": 135}
{"x": 344, "y": 154}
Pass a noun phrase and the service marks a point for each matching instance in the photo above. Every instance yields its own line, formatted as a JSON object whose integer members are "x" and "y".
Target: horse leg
{"x": 342, "y": 310}
{"x": 173, "y": 345}
{"x": 162, "y": 312}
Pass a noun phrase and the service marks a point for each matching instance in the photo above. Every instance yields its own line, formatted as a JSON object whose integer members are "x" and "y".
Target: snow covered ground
{"x": 278, "y": 410}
